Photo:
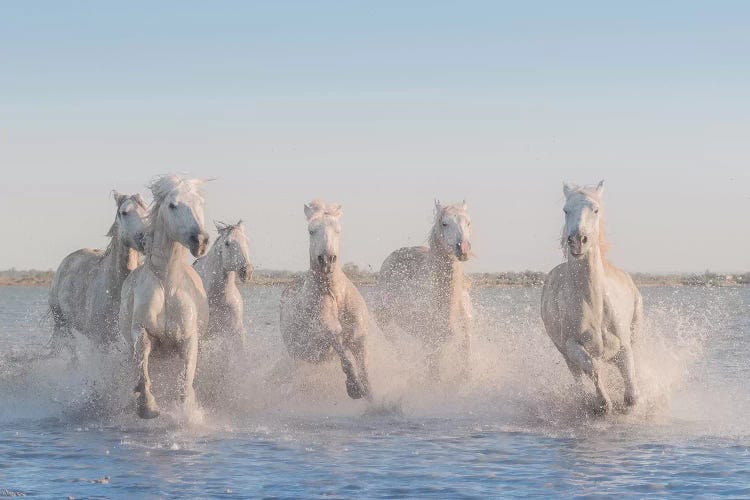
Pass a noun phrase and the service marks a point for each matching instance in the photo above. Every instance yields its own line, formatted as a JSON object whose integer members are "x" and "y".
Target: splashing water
{"x": 271, "y": 426}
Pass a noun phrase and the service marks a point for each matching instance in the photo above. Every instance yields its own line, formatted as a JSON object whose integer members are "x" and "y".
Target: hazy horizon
{"x": 383, "y": 108}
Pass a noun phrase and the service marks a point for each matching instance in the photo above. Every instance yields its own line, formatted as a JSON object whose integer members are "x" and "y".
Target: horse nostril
{"x": 321, "y": 260}
{"x": 570, "y": 240}
{"x": 333, "y": 258}
{"x": 584, "y": 239}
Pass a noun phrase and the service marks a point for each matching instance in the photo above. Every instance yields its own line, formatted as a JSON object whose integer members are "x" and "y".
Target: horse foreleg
{"x": 146, "y": 404}
{"x": 356, "y": 345}
{"x": 626, "y": 364}
{"x": 578, "y": 356}
{"x": 353, "y": 388}
{"x": 189, "y": 354}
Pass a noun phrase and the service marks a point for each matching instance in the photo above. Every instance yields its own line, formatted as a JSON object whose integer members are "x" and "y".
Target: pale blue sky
{"x": 383, "y": 106}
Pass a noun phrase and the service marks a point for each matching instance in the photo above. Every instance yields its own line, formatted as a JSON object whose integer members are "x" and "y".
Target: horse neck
{"x": 447, "y": 274}
{"x": 120, "y": 260}
{"x": 217, "y": 279}
{"x": 586, "y": 277}
{"x": 327, "y": 283}
{"x": 166, "y": 255}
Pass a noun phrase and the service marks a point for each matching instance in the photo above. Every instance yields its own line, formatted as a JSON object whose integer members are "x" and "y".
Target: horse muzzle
{"x": 463, "y": 250}
{"x": 327, "y": 263}
{"x": 198, "y": 244}
{"x": 245, "y": 273}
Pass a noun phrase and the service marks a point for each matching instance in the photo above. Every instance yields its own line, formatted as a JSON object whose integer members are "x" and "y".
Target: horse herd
{"x": 142, "y": 289}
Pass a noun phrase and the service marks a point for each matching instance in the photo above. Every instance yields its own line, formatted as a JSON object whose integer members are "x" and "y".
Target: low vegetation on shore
{"x": 32, "y": 277}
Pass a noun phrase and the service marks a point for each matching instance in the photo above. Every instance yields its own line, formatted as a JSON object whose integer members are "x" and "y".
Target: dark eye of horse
{"x": 311, "y": 232}
{"x": 226, "y": 243}
{"x": 173, "y": 205}
{"x": 445, "y": 224}
{"x": 596, "y": 210}
{"x": 123, "y": 213}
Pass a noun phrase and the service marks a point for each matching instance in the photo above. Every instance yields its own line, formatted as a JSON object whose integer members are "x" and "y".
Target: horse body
{"x": 424, "y": 290}
{"x": 219, "y": 269}
{"x": 164, "y": 305}
{"x": 591, "y": 310}
{"x": 85, "y": 292}
{"x": 322, "y": 313}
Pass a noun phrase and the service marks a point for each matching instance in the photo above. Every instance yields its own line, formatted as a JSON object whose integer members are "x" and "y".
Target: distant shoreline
{"x": 530, "y": 279}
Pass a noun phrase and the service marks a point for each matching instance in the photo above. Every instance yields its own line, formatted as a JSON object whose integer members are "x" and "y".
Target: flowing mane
{"x": 591, "y": 192}
{"x": 160, "y": 188}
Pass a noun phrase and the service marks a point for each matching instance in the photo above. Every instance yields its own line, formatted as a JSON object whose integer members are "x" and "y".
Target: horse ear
{"x": 335, "y": 211}
{"x": 309, "y": 212}
{"x": 119, "y": 197}
{"x": 600, "y": 187}
{"x": 438, "y": 206}
{"x": 140, "y": 199}
{"x": 464, "y": 206}
{"x": 567, "y": 189}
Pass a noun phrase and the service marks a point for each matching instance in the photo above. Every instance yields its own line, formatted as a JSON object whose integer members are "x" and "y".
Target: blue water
{"x": 517, "y": 428}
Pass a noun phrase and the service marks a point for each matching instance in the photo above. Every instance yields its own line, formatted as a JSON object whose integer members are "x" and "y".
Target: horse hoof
{"x": 354, "y": 390}
{"x": 631, "y": 400}
{"x": 148, "y": 413}
{"x": 603, "y": 408}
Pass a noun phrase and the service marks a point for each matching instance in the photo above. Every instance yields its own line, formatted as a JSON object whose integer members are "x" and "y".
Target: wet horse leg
{"x": 189, "y": 354}
{"x": 626, "y": 364}
{"x": 146, "y": 404}
{"x": 578, "y": 356}
{"x": 353, "y": 387}
{"x": 356, "y": 345}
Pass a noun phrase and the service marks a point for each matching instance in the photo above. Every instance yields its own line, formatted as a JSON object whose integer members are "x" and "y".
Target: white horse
{"x": 164, "y": 305}
{"x": 591, "y": 310}
{"x": 322, "y": 312}
{"x": 85, "y": 292}
{"x": 228, "y": 259}
{"x": 424, "y": 289}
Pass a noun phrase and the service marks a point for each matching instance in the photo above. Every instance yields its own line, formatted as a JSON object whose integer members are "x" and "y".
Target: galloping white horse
{"x": 323, "y": 312}
{"x": 164, "y": 305}
{"x": 591, "y": 310}
{"x": 228, "y": 259}
{"x": 424, "y": 289}
{"x": 85, "y": 292}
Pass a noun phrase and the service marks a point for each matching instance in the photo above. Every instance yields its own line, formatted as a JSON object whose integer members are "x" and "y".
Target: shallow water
{"x": 517, "y": 427}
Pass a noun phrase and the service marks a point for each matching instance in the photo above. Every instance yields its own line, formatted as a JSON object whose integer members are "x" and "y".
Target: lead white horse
{"x": 164, "y": 305}
{"x": 322, "y": 312}
{"x": 227, "y": 261}
{"x": 424, "y": 289}
{"x": 85, "y": 292}
{"x": 591, "y": 310}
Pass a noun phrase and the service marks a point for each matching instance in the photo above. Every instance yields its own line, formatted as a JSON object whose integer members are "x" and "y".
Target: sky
{"x": 383, "y": 107}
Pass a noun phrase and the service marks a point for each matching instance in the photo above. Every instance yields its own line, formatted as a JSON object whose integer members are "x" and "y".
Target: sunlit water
{"x": 517, "y": 427}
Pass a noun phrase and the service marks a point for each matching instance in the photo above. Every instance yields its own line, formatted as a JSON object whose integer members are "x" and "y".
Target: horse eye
{"x": 226, "y": 243}
{"x": 311, "y": 232}
{"x": 123, "y": 213}
{"x": 596, "y": 210}
{"x": 173, "y": 205}
{"x": 445, "y": 224}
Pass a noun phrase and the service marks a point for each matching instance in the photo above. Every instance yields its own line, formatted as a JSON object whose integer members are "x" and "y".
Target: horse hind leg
{"x": 577, "y": 356}
{"x": 62, "y": 337}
